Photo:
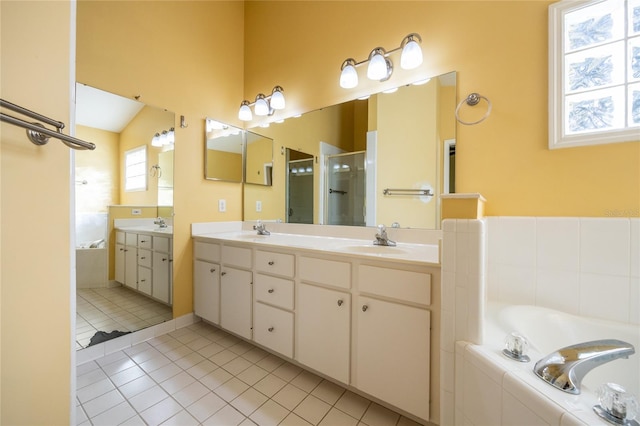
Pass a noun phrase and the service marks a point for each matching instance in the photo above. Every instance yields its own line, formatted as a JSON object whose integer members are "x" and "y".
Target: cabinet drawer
{"x": 323, "y": 271}
{"x": 274, "y": 291}
{"x": 161, "y": 244}
{"x": 144, "y": 241}
{"x": 120, "y": 239}
{"x": 144, "y": 257}
{"x": 273, "y": 328}
{"x": 206, "y": 251}
{"x": 131, "y": 239}
{"x": 395, "y": 283}
{"x": 275, "y": 263}
{"x": 144, "y": 280}
{"x": 237, "y": 256}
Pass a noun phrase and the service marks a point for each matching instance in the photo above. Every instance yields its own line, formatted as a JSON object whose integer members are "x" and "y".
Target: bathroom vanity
{"x": 143, "y": 261}
{"x": 358, "y": 314}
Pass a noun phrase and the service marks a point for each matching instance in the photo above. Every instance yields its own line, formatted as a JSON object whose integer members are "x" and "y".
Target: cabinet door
{"x": 206, "y": 291}
{"x": 119, "y": 256}
{"x": 161, "y": 278}
{"x": 131, "y": 266}
{"x": 393, "y": 354}
{"x": 144, "y": 280}
{"x": 235, "y": 301}
{"x": 323, "y": 330}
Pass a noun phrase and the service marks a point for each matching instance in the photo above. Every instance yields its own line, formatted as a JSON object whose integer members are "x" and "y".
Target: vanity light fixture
{"x": 380, "y": 66}
{"x": 166, "y": 137}
{"x": 263, "y": 105}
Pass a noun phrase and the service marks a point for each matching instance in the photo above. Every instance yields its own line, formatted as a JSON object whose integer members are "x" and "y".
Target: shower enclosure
{"x": 346, "y": 189}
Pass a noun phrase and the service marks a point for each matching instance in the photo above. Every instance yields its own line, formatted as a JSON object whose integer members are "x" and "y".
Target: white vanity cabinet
{"x": 162, "y": 269}
{"x": 235, "y": 290}
{"x": 131, "y": 260}
{"x": 393, "y": 337}
{"x": 120, "y": 257}
{"x": 144, "y": 270}
{"x": 206, "y": 281}
{"x": 274, "y": 301}
{"x": 323, "y": 332}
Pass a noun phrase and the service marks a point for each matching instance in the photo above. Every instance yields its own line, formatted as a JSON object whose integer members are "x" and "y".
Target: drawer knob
{"x": 164, "y": 259}
{"x": 142, "y": 257}
{"x": 223, "y": 273}
{"x": 364, "y": 308}
{"x": 340, "y": 302}
{"x": 271, "y": 263}
{"x": 270, "y": 290}
{"x": 270, "y": 329}
{"x": 212, "y": 270}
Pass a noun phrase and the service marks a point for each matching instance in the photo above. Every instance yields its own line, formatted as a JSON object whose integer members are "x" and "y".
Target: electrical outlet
{"x": 222, "y": 205}
{"x": 258, "y": 206}
{"x": 136, "y": 212}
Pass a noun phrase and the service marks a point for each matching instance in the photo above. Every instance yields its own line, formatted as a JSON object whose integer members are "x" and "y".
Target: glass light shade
{"x": 277, "y": 98}
{"x": 163, "y": 138}
{"x": 244, "y": 113}
{"x": 411, "y": 56}
{"x": 377, "y": 69}
{"x": 171, "y": 136}
{"x": 261, "y": 107}
{"x": 155, "y": 141}
{"x": 348, "y": 77}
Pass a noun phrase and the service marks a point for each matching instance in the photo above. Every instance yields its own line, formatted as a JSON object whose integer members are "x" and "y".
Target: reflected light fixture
{"x": 263, "y": 105}
{"x": 164, "y": 138}
{"x": 380, "y": 65}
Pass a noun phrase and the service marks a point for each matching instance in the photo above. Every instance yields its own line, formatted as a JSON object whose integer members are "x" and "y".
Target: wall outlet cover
{"x": 222, "y": 206}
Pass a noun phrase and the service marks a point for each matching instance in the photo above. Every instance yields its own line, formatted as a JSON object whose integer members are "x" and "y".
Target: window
{"x": 135, "y": 169}
{"x": 594, "y": 72}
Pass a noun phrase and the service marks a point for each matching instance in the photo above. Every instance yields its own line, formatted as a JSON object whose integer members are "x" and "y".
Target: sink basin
{"x": 375, "y": 249}
{"x": 250, "y": 236}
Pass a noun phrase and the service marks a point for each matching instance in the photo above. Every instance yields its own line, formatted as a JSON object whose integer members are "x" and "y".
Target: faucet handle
{"x": 616, "y": 405}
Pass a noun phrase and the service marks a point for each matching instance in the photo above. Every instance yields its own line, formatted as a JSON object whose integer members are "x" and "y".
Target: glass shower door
{"x": 346, "y": 189}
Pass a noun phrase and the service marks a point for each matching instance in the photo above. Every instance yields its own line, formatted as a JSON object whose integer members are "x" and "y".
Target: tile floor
{"x": 115, "y": 308}
{"x": 202, "y": 375}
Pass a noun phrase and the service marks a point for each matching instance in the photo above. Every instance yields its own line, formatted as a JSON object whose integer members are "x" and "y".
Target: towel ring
{"x": 472, "y": 100}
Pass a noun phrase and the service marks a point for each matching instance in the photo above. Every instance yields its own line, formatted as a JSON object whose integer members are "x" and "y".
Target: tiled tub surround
{"x": 584, "y": 266}
{"x": 384, "y": 314}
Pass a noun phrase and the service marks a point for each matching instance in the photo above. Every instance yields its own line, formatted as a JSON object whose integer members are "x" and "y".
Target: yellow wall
{"x": 224, "y": 165}
{"x": 499, "y": 50}
{"x": 193, "y": 67}
{"x": 100, "y": 168}
{"x": 35, "y": 275}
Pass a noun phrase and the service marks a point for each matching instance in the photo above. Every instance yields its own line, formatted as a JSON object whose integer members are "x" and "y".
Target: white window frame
{"x": 557, "y": 136}
{"x": 128, "y": 186}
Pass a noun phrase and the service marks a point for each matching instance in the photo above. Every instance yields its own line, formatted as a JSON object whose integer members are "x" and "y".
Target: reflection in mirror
{"x": 259, "y": 163}
{"x": 224, "y": 148}
{"x": 402, "y": 135}
{"x": 105, "y": 308}
{"x": 299, "y": 187}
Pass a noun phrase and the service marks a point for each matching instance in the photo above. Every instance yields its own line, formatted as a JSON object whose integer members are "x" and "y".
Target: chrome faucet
{"x": 565, "y": 368}
{"x": 382, "y": 239}
{"x": 160, "y": 222}
{"x": 262, "y": 230}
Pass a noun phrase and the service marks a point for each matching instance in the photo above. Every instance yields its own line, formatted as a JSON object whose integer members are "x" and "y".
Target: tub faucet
{"x": 382, "y": 239}
{"x": 262, "y": 230}
{"x": 160, "y": 222}
{"x": 565, "y": 368}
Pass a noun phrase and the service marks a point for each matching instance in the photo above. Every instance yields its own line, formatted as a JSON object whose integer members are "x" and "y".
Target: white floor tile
{"x": 249, "y": 401}
{"x": 160, "y": 412}
{"x": 183, "y": 418}
{"x": 378, "y": 415}
{"x": 231, "y": 390}
{"x": 353, "y": 404}
{"x": 294, "y": 420}
{"x": 94, "y": 390}
{"x": 336, "y": 417}
{"x": 327, "y": 391}
{"x": 270, "y": 385}
{"x": 290, "y": 396}
{"x": 227, "y": 416}
{"x": 136, "y": 386}
{"x": 191, "y": 394}
{"x": 313, "y": 410}
{"x": 177, "y": 382}
{"x": 206, "y": 406}
{"x": 269, "y": 414}
{"x": 103, "y": 403}
{"x": 148, "y": 398}
{"x": 115, "y": 415}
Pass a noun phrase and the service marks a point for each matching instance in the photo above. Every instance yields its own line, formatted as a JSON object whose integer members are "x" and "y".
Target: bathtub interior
{"x": 548, "y": 330}
{"x": 91, "y": 251}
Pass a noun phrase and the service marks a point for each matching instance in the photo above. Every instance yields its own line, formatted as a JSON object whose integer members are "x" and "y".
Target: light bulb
{"x": 244, "y": 113}
{"x": 411, "y": 56}
{"x": 171, "y": 136}
{"x": 163, "y": 137}
{"x": 155, "y": 141}
{"x": 261, "y": 107}
{"x": 277, "y": 98}
{"x": 349, "y": 75}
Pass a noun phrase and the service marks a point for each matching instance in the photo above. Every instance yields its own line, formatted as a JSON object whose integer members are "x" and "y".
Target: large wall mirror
{"x": 116, "y": 125}
{"x": 224, "y": 150}
{"x": 384, "y": 159}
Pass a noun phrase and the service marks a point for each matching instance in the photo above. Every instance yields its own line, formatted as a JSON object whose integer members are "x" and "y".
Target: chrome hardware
{"x": 565, "y": 368}
{"x": 616, "y": 405}
{"x": 271, "y": 263}
{"x": 270, "y": 290}
{"x": 364, "y": 308}
{"x": 160, "y": 222}
{"x": 143, "y": 257}
{"x": 340, "y": 302}
{"x": 382, "y": 239}
{"x": 164, "y": 259}
{"x": 262, "y": 230}
{"x": 143, "y": 241}
{"x": 516, "y": 347}
{"x": 223, "y": 273}
{"x": 212, "y": 270}
{"x": 270, "y": 329}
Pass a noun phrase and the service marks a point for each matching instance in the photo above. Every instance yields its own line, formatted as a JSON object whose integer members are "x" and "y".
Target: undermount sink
{"x": 372, "y": 249}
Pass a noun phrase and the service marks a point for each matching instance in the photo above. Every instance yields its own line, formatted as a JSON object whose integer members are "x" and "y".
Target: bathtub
{"x": 492, "y": 389}
{"x": 91, "y": 267}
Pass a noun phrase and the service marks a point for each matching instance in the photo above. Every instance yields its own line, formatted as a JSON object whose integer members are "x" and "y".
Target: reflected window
{"x": 595, "y": 72}
{"x": 135, "y": 170}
